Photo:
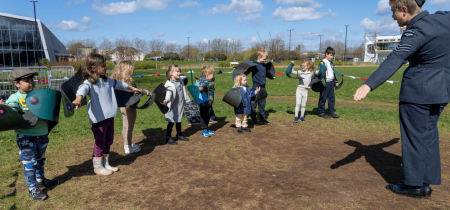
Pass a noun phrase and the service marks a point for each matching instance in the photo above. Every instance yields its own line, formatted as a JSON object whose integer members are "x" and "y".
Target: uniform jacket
{"x": 259, "y": 74}
{"x": 245, "y": 106}
{"x": 426, "y": 45}
{"x": 323, "y": 72}
{"x": 169, "y": 85}
{"x": 208, "y": 88}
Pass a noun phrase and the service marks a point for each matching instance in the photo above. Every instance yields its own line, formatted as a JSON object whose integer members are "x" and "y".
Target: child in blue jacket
{"x": 240, "y": 81}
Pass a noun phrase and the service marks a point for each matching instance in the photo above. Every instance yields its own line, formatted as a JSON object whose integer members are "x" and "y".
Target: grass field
{"x": 71, "y": 144}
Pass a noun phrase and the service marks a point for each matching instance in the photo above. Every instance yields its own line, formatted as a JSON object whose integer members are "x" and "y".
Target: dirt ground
{"x": 278, "y": 166}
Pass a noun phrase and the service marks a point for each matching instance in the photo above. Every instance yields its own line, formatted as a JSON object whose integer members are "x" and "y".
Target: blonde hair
{"x": 123, "y": 72}
{"x": 92, "y": 66}
{"x": 309, "y": 63}
{"x": 262, "y": 53}
{"x": 411, "y": 5}
{"x": 170, "y": 69}
{"x": 238, "y": 79}
{"x": 208, "y": 70}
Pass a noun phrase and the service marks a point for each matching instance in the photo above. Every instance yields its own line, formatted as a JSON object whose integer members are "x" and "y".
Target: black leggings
{"x": 170, "y": 127}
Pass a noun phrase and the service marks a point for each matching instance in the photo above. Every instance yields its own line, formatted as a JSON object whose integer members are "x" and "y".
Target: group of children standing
{"x": 102, "y": 108}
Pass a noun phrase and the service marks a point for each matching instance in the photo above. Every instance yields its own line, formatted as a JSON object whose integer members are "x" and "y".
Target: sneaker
{"x": 323, "y": 115}
{"x": 333, "y": 115}
{"x": 211, "y": 132}
{"x": 246, "y": 129}
{"x": 296, "y": 119}
{"x": 37, "y": 194}
{"x": 131, "y": 149}
{"x": 48, "y": 183}
{"x": 239, "y": 130}
{"x": 205, "y": 133}
{"x": 181, "y": 137}
{"x": 135, "y": 146}
{"x": 302, "y": 119}
{"x": 170, "y": 141}
{"x": 265, "y": 122}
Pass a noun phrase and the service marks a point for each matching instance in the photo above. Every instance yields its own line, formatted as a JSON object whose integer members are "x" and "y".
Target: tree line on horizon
{"x": 222, "y": 49}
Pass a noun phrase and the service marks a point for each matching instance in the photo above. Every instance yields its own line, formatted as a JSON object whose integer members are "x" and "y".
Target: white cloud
{"x": 72, "y": 25}
{"x": 189, "y": 4}
{"x": 383, "y": 7}
{"x": 441, "y": 4}
{"x": 382, "y": 25}
{"x": 241, "y": 7}
{"x": 253, "y": 19}
{"x": 159, "y": 34}
{"x": 300, "y": 13}
{"x": 68, "y": 26}
{"x": 115, "y": 8}
{"x": 86, "y": 20}
{"x": 205, "y": 40}
{"x": 173, "y": 42}
{"x": 254, "y": 39}
{"x": 300, "y": 3}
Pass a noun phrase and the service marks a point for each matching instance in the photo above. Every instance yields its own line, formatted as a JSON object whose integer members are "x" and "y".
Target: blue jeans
{"x": 32, "y": 154}
{"x": 327, "y": 93}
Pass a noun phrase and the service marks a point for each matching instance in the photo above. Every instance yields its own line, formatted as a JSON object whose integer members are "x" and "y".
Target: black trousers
{"x": 421, "y": 161}
{"x": 205, "y": 115}
{"x": 261, "y": 108}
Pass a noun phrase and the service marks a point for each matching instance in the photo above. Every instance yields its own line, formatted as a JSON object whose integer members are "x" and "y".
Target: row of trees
{"x": 223, "y": 49}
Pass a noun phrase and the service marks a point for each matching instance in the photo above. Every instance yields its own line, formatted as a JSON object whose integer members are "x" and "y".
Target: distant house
{"x": 128, "y": 53}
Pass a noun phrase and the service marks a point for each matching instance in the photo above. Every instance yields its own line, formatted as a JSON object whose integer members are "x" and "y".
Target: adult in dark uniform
{"x": 424, "y": 93}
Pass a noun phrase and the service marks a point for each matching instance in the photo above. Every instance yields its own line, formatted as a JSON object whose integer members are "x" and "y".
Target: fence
{"x": 46, "y": 79}
{"x": 59, "y": 74}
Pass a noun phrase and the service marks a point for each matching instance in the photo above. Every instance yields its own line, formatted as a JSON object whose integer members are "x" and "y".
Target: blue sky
{"x": 174, "y": 20}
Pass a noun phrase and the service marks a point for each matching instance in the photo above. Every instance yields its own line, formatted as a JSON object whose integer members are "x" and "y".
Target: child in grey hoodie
{"x": 302, "y": 89}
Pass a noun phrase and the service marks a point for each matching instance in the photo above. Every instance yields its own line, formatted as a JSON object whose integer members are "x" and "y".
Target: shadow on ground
{"x": 386, "y": 164}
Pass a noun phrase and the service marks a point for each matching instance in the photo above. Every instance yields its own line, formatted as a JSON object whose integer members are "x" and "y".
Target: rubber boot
{"x": 99, "y": 169}
{"x": 106, "y": 164}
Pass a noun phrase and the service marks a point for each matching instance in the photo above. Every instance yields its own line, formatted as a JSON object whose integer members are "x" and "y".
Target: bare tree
{"x": 183, "y": 52}
{"x": 140, "y": 46}
{"x": 107, "y": 47}
{"x": 235, "y": 47}
{"x": 202, "y": 48}
{"x": 171, "y": 47}
{"x": 156, "y": 47}
{"x": 122, "y": 44}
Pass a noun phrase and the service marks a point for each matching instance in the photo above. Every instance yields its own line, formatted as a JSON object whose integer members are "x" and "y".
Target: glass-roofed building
{"x": 22, "y": 45}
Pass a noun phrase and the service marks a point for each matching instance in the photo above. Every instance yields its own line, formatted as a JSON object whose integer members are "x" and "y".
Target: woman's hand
{"x": 166, "y": 101}
{"x": 257, "y": 89}
{"x": 362, "y": 92}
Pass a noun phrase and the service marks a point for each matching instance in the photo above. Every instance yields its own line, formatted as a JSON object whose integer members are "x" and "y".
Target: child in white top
{"x": 302, "y": 89}
{"x": 102, "y": 108}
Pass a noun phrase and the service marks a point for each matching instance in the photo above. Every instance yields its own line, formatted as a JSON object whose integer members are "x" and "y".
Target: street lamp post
{"x": 188, "y": 47}
{"x": 320, "y": 45}
{"x": 345, "y": 51}
{"x": 290, "y": 43}
{"x": 35, "y": 23}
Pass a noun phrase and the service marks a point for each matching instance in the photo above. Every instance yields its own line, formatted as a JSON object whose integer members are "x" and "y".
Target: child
{"x": 123, "y": 72}
{"x": 259, "y": 74}
{"x": 327, "y": 70}
{"x": 240, "y": 81}
{"x": 207, "y": 86}
{"x": 32, "y": 142}
{"x": 301, "y": 95}
{"x": 176, "y": 99}
{"x": 102, "y": 108}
